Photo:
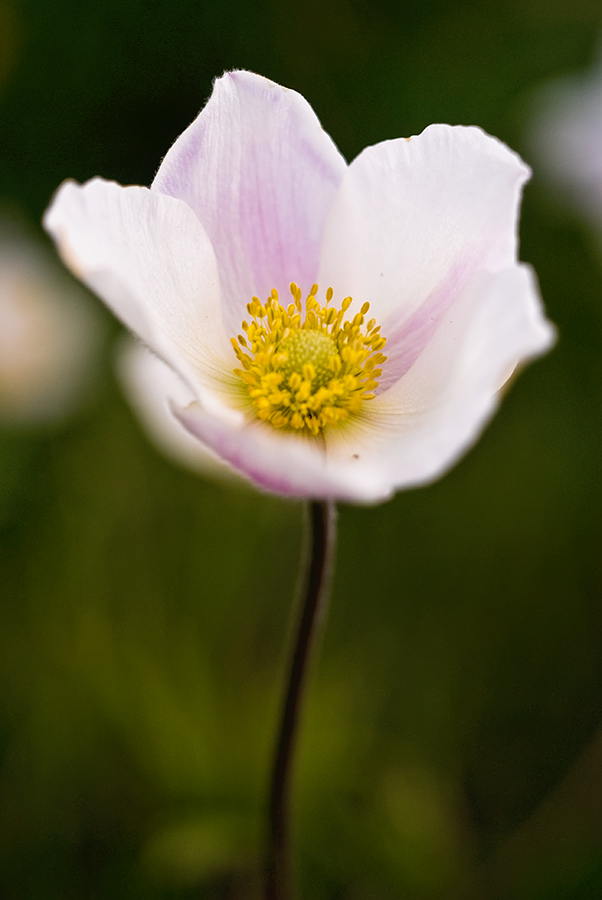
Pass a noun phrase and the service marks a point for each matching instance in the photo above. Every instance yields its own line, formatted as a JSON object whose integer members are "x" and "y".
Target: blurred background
{"x": 452, "y": 742}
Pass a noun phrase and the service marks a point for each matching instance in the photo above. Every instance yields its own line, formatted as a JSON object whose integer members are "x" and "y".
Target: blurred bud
{"x": 49, "y": 333}
{"x": 566, "y": 136}
{"x": 147, "y": 382}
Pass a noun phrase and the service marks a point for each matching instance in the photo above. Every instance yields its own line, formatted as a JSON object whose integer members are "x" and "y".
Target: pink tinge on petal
{"x": 407, "y": 338}
{"x": 260, "y": 173}
{"x": 438, "y": 409}
{"x": 279, "y": 463}
{"x": 410, "y": 212}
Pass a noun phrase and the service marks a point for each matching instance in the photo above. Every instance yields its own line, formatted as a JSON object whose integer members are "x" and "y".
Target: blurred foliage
{"x": 452, "y": 744}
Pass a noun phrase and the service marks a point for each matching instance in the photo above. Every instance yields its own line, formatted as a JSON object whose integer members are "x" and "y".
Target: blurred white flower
{"x": 49, "y": 334}
{"x": 254, "y": 198}
{"x": 148, "y": 383}
{"x": 565, "y": 134}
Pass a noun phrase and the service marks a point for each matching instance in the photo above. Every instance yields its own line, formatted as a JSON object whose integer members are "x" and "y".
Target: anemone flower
{"x": 375, "y": 382}
{"x": 379, "y": 380}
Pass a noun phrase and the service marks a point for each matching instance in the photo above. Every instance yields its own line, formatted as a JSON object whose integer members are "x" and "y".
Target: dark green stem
{"x": 318, "y": 568}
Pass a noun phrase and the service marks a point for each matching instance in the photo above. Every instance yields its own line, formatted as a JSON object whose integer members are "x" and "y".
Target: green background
{"x": 451, "y": 745}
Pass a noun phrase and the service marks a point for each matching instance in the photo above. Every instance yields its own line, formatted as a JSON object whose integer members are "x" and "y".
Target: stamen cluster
{"x": 307, "y": 373}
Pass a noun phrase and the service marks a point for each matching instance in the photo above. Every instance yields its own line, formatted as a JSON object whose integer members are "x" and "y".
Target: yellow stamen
{"x": 307, "y": 374}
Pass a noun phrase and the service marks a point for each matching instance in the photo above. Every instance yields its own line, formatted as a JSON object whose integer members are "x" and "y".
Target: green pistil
{"x": 307, "y": 346}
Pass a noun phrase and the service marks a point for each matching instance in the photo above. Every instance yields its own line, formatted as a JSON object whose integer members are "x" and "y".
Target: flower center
{"x": 312, "y": 372}
{"x": 307, "y": 347}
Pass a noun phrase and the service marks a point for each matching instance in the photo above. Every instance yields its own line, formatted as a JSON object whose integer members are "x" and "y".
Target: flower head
{"x": 376, "y": 380}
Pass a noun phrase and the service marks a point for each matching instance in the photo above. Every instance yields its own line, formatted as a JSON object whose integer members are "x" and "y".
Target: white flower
{"x": 566, "y": 135}
{"x": 49, "y": 334}
{"x": 254, "y": 196}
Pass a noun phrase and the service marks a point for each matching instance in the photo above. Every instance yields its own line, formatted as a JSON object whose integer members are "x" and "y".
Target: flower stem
{"x": 317, "y": 566}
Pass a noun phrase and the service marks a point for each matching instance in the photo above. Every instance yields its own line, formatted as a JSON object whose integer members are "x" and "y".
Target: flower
{"x": 49, "y": 334}
{"x": 304, "y": 391}
{"x": 566, "y": 135}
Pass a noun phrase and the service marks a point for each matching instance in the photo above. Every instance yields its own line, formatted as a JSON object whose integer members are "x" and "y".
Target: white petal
{"x": 149, "y": 259}
{"x": 260, "y": 173}
{"x": 150, "y": 385}
{"x": 413, "y": 221}
{"x": 281, "y": 463}
{"x": 438, "y": 409}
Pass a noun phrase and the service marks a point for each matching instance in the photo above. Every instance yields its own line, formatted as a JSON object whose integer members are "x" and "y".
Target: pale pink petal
{"x": 260, "y": 173}
{"x": 437, "y": 410}
{"x": 408, "y": 336}
{"x": 149, "y": 259}
{"x": 278, "y": 462}
{"x": 412, "y": 222}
